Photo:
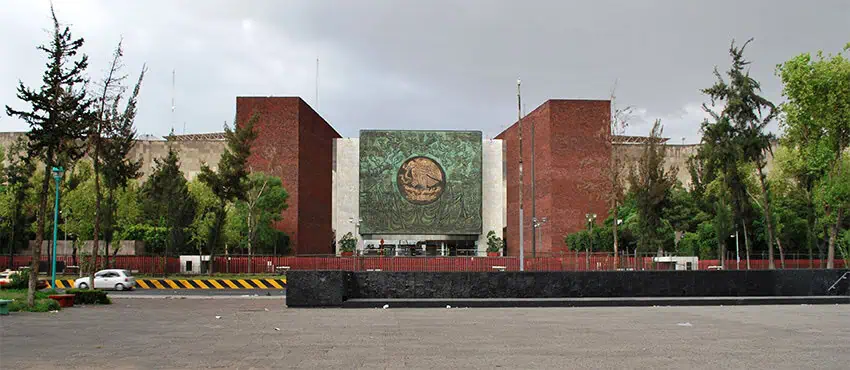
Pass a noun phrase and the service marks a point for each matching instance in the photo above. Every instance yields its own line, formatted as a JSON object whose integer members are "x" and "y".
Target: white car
{"x": 108, "y": 279}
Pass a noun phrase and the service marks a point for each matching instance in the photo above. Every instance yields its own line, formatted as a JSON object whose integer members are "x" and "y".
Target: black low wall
{"x": 331, "y": 288}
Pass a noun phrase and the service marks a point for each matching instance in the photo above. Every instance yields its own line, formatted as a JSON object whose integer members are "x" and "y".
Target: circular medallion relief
{"x": 421, "y": 180}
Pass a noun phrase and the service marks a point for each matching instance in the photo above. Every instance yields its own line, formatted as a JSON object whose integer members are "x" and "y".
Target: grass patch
{"x": 19, "y": 300}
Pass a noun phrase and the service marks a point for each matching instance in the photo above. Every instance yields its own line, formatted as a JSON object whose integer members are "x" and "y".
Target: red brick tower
{"x": 296, "y": 144}
{"x": 570, "y": 157}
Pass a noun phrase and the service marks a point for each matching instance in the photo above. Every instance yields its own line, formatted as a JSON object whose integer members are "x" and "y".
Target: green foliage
{"x": 494, "y": 243}
{"x": 204, "y": 219}
{"x": 651, "y": 184}
{"x": 348, "y": 243}
{"x": 168, "y": 203}
{"x": 14, "y": 209}
{"x": 89, "y": 296}
{"x": 41, "y": 305}
{"x": 19, "y": 280}
{"x": 229, "y": 183}
{"x": 252, "y": 221}
{"x": 155, "y": 237}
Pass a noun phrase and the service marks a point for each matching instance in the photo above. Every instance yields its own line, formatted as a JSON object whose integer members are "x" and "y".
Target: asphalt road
{"x": 198, "y": 292}
{"x": 263, "y": 333}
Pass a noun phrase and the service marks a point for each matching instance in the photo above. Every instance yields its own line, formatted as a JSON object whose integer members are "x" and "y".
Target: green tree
{"x": 229, "y": 183}
{"x": 16, "y": 177}
{"x": 58, "y": 117}
{"x": 262, "y": 207}
{"x": 204, "y": 219}
{"x": 167, "y": 202}
{"x": 651, "y": 183}
{"x": 116, "y": 165}
{"x": 744, "y": 118}
{"x": 817, "y": 123}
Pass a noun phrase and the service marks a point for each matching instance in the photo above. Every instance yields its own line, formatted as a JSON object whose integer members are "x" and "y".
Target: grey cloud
{"x": 435, "y": 64}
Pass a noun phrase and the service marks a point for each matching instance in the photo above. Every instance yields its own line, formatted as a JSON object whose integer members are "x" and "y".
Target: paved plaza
{"x": 262, "y": 333}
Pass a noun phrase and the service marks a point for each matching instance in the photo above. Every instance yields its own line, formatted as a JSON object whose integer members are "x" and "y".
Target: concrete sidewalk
{"x": 250, "y": 333}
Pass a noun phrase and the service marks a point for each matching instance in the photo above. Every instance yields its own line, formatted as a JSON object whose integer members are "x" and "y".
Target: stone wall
{"x": 192, "y": 153}
{"x": 331, "y": 288}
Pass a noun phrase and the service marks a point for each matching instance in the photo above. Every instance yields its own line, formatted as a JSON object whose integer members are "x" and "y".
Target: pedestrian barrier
{"x": 262, "y": 283}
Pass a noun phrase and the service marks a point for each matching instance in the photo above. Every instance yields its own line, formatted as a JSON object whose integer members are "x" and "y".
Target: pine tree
{"x": 229, "y": 183}
{"x": 168, "y": 202}
{"x": 58, "y": 118}
{"x": 651, "y": 184}
{"x": 111, "y": 138}
{"x": 740, "y": 132}
{"x": 16, "y": 175}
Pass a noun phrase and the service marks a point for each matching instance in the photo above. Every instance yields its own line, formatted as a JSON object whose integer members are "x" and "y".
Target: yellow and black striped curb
{"x": 198, "y": 283}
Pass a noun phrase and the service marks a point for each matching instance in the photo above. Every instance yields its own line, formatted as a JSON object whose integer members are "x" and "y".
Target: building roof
{"x": 627, "y": 139}
{"x": 210, "y": 136}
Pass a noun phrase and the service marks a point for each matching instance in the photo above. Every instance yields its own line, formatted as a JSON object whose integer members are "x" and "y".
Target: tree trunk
{"x": 767, "y": 218}
{"x": 721, "y": 253}
{"x": 107, "y": 237}
{"x": 781, "y": 253}
{"x": 616, "y": 242}
{"x": 216, "y": 234}
{"x": 746, "y": 243}
{"x": 810, "y": 226}
{"x": 39, "y": 233}
{"x": 833, "y": 236}
{"x": 96, "y": 208}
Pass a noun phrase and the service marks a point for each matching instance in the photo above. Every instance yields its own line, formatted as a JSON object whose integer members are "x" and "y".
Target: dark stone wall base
{"x": 332, "y": 288}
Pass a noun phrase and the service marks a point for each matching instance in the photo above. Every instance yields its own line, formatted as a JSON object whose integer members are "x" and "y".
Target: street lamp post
{"x": 57, "y": 175}
{"x": 536, "y": 225}
{"x": 591, "y": 219}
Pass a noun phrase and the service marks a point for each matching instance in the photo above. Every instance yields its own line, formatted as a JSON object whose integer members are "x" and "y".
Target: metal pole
{"x": 737, "y": 251}
{"x": 521, "y": 224}
{"x": 55, "y": 231}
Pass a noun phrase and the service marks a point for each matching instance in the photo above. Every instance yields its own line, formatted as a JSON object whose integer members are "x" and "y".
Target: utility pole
{"x": 521, "y": 224}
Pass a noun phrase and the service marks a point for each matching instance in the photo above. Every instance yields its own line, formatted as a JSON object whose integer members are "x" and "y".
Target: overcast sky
{"x": 421, "y": 64}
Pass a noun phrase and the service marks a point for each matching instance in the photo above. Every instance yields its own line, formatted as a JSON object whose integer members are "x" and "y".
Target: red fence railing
{"x": 577, "y": 261}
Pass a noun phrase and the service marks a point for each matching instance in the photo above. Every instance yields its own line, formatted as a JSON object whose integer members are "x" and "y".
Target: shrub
{"x": 85, "y": 296}
{"x": 19, "y": 280}
{"x": 348, "y": 243}
{"x": 41, "y": 305}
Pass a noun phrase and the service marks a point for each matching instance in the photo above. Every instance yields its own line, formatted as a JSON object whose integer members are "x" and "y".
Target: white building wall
{"x": 493, "y": 197}
{"x": 345, "y": 196}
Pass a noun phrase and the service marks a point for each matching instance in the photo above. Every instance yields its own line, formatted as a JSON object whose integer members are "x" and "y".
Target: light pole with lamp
{"x": 737, "y": 251}
{"x": 536, "y": 224}
{"x": 57, "y": 175}
{"x": 591, "y": 219}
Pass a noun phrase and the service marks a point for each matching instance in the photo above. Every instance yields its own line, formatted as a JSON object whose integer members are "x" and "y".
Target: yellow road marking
{"x": 70, "y": 283}
{"x": 186, "y": 284}
{"x": 157, "y": 284}
{"x": 201, "y": 284}
{"x": 59, "y": 284}
{"x": 274, "y": 283}
{"x": 172, "y": 284}
{"x": 245, "y": 284}
{"x": 142, "y": 284}
{"x": 230, "y": 284}
{"x": 215, "y": 284}
{"x": 259, "y": 283}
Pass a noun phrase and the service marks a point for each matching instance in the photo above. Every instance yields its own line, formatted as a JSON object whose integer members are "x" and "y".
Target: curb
{"x": 197, "y": 284}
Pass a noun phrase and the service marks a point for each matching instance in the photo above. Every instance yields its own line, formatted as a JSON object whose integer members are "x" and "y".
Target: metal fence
{"x": 568, "y": 261}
